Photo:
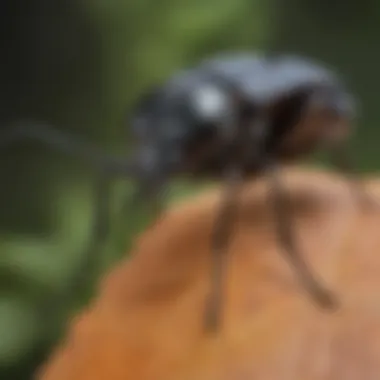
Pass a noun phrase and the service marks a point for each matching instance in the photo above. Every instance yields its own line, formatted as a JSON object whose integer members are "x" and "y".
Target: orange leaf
{"x": 146, "y": 323}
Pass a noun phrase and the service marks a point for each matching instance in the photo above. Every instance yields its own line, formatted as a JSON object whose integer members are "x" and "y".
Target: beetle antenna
{"x": 67, "y": 144}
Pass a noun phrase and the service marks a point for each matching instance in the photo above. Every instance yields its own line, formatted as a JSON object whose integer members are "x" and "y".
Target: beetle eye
{"x": 209, "y": 102}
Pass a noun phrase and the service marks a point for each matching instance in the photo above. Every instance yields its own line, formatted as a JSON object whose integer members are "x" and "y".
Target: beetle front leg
{"x": 101, "y": 222}
{"x": 152, "y": 173}
{"x": 99, "y": 232}
{"x": 287, "y": 240}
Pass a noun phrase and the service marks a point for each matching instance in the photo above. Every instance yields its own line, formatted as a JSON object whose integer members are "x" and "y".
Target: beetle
{"x": 230, "y": 117}
{"x": 237, "y": 116}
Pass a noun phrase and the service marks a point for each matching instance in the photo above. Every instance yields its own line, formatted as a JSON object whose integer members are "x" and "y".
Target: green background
{"x": 80, "y": 65}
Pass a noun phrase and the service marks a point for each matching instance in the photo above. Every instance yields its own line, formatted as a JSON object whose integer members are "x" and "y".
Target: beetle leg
{"x": 287, "y": 241}
{"x": 247, "y": 144}
{"x": 221, "y": 235}
{"x": 151, "y": 176}
{"x": 101, "y": 223}
{"x": 98, "y": 235}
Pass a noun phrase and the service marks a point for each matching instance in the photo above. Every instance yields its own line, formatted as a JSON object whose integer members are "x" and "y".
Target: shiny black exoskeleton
{"x": 277, "y": 107}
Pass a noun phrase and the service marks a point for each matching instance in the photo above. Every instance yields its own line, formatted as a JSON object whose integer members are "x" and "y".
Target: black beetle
{"x": 237, "y": 116}
{"x": 212, "y": 101}
{"x": 230, "y": 117}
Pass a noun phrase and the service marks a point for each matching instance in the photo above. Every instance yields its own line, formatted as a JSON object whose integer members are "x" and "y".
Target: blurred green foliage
{"x": 80, "y": 65}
